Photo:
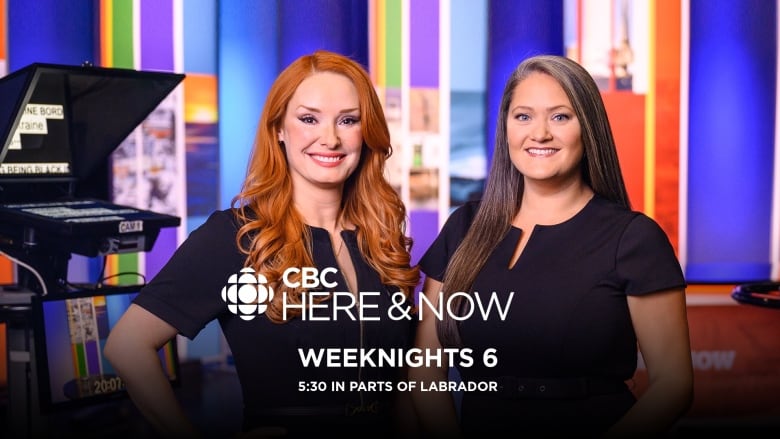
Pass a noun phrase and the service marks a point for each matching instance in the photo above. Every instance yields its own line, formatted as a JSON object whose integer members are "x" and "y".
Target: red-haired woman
{"x": 314, "y": 196}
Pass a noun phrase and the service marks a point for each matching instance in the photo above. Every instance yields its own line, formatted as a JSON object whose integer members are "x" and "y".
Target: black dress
{"x": 278, "y": 390}
{"x": 567, "y": 344}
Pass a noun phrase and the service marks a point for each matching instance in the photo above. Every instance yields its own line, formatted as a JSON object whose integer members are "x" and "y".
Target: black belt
{"x": 370, "y": 408}
{"x": 511, "y": 387}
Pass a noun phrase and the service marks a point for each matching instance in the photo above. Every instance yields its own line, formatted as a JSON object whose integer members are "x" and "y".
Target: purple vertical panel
{"x": 423, "y": 72}
{"x": 157, "y": 35}
{"x": 424, "y": 44}
{"x": 425, "y": 224}
{"x": 101, "y": 317}
{"x": 163, "y": 249}
{"x": 157, "y": 54}
{"x": 93, "y": 357}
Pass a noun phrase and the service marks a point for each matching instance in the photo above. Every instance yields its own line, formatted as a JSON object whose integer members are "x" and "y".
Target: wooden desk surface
{"x": 735, "y": 350}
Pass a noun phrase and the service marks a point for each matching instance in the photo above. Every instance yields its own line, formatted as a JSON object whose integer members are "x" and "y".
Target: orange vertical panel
{"x": 667, "y": 132}
{"x": 6, "y": 271}
{"x": 3, "y": 29}
{"x": 579, "y": 31}
{"x": 626, "y": 113}
{"x": 5, "y": 264}
{"x": 106, "y": 33}
{"x": 3, "y": 363}
{"x": 200, "y": 98}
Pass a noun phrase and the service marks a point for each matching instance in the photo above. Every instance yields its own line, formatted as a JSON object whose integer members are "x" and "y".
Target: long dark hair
{"x": 504, "y": 189}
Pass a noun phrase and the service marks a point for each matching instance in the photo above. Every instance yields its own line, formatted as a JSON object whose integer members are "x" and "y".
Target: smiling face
{"x": 321, "y": 132}
{"x": 543, "y": 132}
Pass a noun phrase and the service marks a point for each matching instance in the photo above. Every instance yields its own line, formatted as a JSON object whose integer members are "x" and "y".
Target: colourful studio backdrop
{"x": 682, "y": 162}
{"x": 690, "y": 87}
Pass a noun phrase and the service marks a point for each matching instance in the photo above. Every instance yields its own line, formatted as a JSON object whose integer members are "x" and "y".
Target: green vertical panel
{"x": 123, "y": 58}
{"x": 128, "y": 264}
{"x": 393, "y": 62}
{"x": 123, "y": 34}
{"x": 82, "y": 360}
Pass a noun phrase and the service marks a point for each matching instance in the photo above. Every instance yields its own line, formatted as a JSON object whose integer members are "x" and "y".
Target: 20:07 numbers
{"x": 107, "y": 385}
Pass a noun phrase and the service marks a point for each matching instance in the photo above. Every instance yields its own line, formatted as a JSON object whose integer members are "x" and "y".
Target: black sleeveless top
{"x": 277, "y": 389}
{"x": 568, "y": 319}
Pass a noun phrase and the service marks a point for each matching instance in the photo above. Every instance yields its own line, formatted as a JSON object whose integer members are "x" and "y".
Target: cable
{"x": 134, "y": 273}
{"x": 29, "y": 268}
{"x": 102, "y": 270}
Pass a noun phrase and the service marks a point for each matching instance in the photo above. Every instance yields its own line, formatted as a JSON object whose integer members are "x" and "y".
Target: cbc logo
{"x": 247, "y": 294}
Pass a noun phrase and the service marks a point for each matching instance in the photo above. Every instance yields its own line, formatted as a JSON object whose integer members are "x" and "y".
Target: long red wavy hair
{"x": 273, "y": 234}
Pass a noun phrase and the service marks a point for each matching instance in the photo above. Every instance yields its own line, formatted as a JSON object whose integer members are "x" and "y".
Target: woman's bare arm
{"x": 131, "y": 349}
{"x": 435, "y": 409}
{"x": 661, "y": 325}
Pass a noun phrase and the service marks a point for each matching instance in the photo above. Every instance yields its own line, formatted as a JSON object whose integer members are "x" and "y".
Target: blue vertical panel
{"x": 247, "y": 66}
{"x": 50, "y": 31}
{"x": 337, "y": 25}
{"x": 53, "y": 31}
{"x": 200, "y": 58}
{"x": 733, "y": 57}
{"x": 517, "y": 30}
{"x": 200, "y": 36}
{"x": 469, "y": 33}
{"x": 468, "y": 73}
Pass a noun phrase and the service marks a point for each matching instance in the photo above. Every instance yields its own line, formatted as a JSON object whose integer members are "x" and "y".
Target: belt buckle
{"x": 371, "y": 408}
{"x": 510, "y": 387}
